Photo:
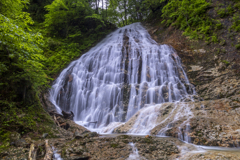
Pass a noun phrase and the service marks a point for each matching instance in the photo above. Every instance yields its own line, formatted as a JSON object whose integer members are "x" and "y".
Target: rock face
{"x": 212, "y": 68}
{"x": 119, "y": 148}
{"x": 214, "y": 71}
{"x": 65, "y": 122}
{"x": 212, "y": 123}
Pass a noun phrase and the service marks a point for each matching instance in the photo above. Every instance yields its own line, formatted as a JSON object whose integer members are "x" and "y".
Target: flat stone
{"x": 196, "y": 68}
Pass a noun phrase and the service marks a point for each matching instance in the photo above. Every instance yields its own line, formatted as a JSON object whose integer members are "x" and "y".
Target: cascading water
{"x": 134, "y": 155}
{"x": 116, "y": 78}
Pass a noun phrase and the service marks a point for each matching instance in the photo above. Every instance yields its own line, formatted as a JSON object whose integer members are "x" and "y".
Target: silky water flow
{"x": 126, "y": 72}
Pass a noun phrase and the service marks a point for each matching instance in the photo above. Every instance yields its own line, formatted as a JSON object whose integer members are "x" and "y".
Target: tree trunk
{"x": 106, "y": 9}
{"x": 125, "y": 9}
{"x": 96, "y": 6}
{"x": 102, "y": 10}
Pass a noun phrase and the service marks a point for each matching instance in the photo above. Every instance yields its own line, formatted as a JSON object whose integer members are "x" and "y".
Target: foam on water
{"x": 134, "y": 155}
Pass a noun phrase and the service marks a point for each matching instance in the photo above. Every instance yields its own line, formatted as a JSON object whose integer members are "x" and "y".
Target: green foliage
{"x": 226, "y": 62}
{"x": 218, "y": 25}
{"x": 15, "y": 118}
{"x": 21, "y": 59}
{"x": 60, "y": 54}
{"x": 237, "y": 5}
{"x": 124, "y": 12}
{"x": 222, "y": 42}
{"x": 236, "y": 22}
{"x": 214, "y": 38}
{"x": 190, "y": 16}
{"x": 37, "y": 10}
{"x": 237, "y": 46}
{"x": 71, "y": 27}
{"x": 223, "y": 12}
{"x": 28, "y": 58}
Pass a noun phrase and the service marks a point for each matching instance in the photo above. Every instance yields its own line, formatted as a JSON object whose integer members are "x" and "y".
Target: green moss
{"x": 237, "y": 5}
{"x": 63, "y": 153}
{"x": 4, "y": 139}
{"x": 222, "y": 42}
{"x": 125, "y": 136}
{"x": 147, "y": 140}
{"x": 237, "y": 46}
{"x": 222, "y": 12}
{"x": 236, "y": 22}
{"x": 226, "y": 62}
{"x": 25, "y": 120}
{"x": 114, "y": 145}
{"x": 218, "y": 25}
{"x": 152, "y": 148}
{"x": 214, "y": 38}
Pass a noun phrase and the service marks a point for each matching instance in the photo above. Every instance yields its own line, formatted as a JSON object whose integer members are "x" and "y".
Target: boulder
{"x": 68, "y": 115}
{"x": 44, "y": 135}
{"x": 77, "y": 135}
{"x": 14, "y": 136}
{"x": 93, "y": 134}
{"x": 21, "y": 143}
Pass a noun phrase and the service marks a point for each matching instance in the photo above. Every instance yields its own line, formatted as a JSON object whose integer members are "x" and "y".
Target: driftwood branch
{"x": 56, "y": 120}
{"x": 32, "y": 152}
{"x": 49, "y": 152}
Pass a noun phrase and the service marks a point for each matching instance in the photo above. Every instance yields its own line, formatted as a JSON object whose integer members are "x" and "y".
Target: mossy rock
{"x": 114, "y": 145}
{"x": 147, "y": 140}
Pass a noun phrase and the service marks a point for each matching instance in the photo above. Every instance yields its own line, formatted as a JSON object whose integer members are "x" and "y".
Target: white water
{"x": 56, "y": 156}
{"x": 134, "y": 155}
{"x": 118, "y": 77}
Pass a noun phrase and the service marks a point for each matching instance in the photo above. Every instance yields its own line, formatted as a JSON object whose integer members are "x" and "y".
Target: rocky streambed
{"x": 210, "y": 123}
{"x": 69, "y": 141}
{"x": 90, "y": 145}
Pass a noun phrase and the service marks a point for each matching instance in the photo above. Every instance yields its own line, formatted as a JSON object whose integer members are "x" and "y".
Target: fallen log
{"x": 32, "y": 152}
{"x": 49, "y": 152}
{"x": 56, "y": 120}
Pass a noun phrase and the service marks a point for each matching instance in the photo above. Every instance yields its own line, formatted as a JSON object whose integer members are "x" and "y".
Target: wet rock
{"x": 44, "y": 135}
{"x": 21, "y": 143}
{"x": 77, "y": 135}
{"x": 93, "y": 134}
{"x": 195, "y": 68}
{"x": 210, "y": 122}
{"x": 28, "y": 140}
{"x": 68, "y": 115}
{"x": 201, "y": 51}
{"x": 14, "y": 136}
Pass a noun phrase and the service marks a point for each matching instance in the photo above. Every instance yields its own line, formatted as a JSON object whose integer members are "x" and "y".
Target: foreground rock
{"x": 116, "y": 147}
{"x": 119, "y": 148}
{"x": 211, "y": 123}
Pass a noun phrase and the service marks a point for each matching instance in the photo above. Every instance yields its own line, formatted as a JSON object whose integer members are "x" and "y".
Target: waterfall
{"x": 118, "y": 77}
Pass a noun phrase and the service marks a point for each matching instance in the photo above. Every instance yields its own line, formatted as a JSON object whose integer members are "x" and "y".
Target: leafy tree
{"x": 37, "y": 10}
{"x": 21, "y": 67}
{"x": 71, "y": 27}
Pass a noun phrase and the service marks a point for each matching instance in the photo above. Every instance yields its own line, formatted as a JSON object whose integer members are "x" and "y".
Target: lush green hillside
{"x": 39, "y": 39}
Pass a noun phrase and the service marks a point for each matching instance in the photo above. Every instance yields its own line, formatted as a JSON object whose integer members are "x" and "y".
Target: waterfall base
{"x": 211, "y": 123}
